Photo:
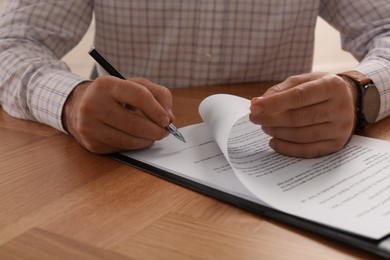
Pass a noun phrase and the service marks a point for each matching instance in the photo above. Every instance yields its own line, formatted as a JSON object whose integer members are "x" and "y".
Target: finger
{"x": 162, "y": 94}
{"x": 307, "y": 134}
{"x": 310, "y": 115}
{"x": 139, "y": 96}
{"x": 307, "y": 150}
{"x": 112, "y": 141}
{"x": 117, "y": 141}
{"x": 303, "y": 95}
{"x": 101, "y": 138}
{"x": 299, "y": 93}
{"x": 293, "y": 81}
{"x": 132, "y": 123}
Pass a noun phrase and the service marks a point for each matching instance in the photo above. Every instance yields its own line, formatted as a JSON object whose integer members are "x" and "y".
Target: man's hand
{"x": 110, "y": 114}
{"x": 307, "y": 115}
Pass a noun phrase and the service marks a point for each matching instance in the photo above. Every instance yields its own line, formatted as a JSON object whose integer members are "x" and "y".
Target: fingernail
{"x": 165, "y": 121}
{"x": 170, "y": 112}
{"x": 255, "y": 99}
{"x": 256, "y": 110}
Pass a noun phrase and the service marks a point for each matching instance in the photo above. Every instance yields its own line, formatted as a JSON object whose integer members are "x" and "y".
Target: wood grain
{"x": 58, "y": 199}
{"x": 40, "y": 244}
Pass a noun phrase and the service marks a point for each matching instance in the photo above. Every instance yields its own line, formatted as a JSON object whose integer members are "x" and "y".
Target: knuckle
{"x": 142, "y": 95}
{"x": 336, "y": 83}
{"x": 165, "y": 92}
{"x": 333, "y": 83}
{"x": 299, "y": 95}
{"x": 294, "y": 80}
{"x": 274, "y": 89}
{"x": 333, "y": 78}
{"x": 101, "y": 82}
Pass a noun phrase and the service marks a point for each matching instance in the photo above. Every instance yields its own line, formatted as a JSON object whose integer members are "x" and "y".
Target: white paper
{"x": 348, "y": 190}
{"x": 199, "y": 159}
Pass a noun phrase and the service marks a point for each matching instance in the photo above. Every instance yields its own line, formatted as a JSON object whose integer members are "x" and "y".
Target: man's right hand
{"x": 111, "y": 115}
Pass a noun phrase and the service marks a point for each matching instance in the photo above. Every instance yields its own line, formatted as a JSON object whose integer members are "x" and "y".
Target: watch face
{"x": 371, "y": 103}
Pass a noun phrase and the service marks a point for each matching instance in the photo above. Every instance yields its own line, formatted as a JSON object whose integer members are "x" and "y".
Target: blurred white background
{"x": 328, "y": 55}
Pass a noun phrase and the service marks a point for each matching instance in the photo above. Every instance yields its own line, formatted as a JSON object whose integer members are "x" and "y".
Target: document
{"x": 348, "y": 190}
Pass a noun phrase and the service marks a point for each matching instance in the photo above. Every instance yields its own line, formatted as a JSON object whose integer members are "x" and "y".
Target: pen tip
{"x": 173, "y": 130}
{"x": 180, "y": 137}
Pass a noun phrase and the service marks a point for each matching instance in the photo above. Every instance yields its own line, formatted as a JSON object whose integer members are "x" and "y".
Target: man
{"x": 175, "y": 43}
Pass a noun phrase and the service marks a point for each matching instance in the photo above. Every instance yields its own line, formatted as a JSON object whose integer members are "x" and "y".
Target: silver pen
{"x": 114, "y": 72}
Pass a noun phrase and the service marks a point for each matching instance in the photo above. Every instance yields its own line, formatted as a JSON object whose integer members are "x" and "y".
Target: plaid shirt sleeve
{"x": 34, "y": 35}
{"x": 179, "y": 43}
{"x": 365, "y": 32}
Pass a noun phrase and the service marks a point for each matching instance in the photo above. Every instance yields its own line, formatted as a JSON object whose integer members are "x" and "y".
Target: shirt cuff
{"x": 48, "y": 96}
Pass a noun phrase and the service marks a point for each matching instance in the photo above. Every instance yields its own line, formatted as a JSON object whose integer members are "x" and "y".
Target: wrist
{"x": 355, "y": 97}
{"x": 71, "y": 104}
{"x": 367, "y": 98}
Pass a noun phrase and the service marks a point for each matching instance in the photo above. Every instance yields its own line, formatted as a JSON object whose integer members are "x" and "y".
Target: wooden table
{"x": 56, "y": 199}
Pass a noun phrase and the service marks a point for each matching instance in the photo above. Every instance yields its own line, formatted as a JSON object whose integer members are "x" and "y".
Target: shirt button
{"x": 208, "y": 56}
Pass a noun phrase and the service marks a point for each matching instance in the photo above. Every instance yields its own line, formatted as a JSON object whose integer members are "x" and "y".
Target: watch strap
{"x": 357, "y": 77}
{"x": 360, "y": 81}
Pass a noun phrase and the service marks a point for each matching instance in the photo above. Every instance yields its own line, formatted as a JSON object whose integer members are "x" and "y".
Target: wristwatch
{"x": 368, "y": 99}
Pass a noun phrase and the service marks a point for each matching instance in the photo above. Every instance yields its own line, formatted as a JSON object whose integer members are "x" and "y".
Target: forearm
{"x": 34, "y": 82}
{"x": 34, "y": 88}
